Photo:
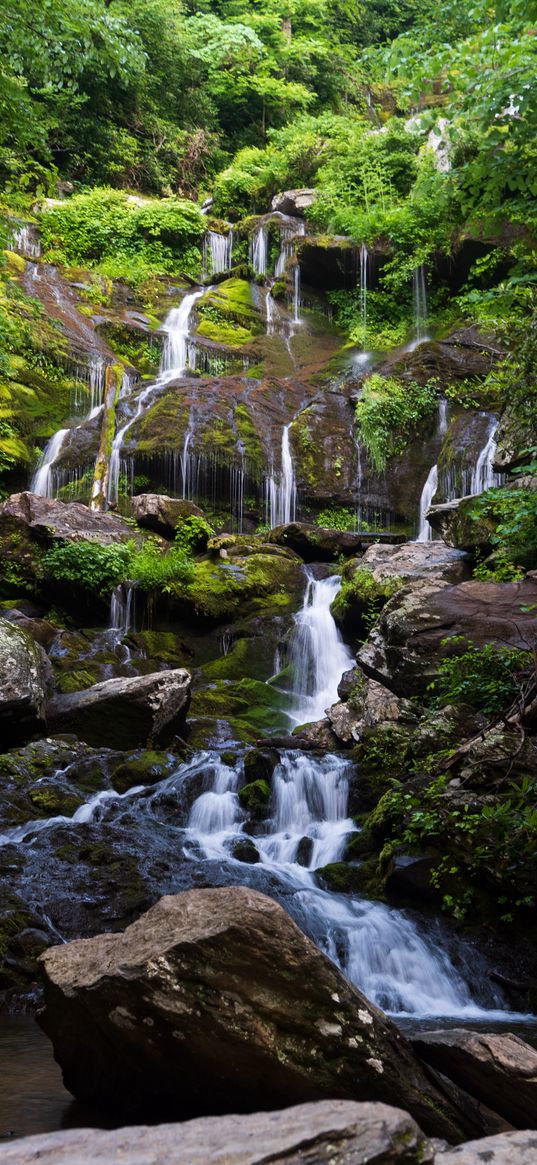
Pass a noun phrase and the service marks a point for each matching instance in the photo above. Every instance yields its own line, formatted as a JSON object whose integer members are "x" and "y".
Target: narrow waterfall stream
{"x": 174, "y": 362}
{"x": 318, "y": 654}
{"x": 42, "y": 482}
{"x": 281, "y": 489}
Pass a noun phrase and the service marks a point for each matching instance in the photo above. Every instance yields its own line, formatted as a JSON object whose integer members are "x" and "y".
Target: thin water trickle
{"x": 364, "y": 265}
{"x": 217, "y": 252}
{"x": 259, "y": 250}
{"x": 281, "y": 490}
{"x": 419, "y": 295}
{"x": 483, "y": 476}
{"x": 425, "y": 530}
{"x": 42, "y": 482}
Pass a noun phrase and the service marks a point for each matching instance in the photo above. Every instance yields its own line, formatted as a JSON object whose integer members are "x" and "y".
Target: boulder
{"x": 506, "y": 1149}
{"x": 404, "y": 650}
{"x": 294, "y": 202}
{"x": 160, "y": 514}
{"x": 215, "y": 1000}
{"x": 453, "y": 521}
{"x": 315, "y": 543}
{"x": 331, "y": 1132}
{"x": 47, "y": 520}
{"x": 22, "y": 685}
{"x": 124, "y": 712}
{"x": 499, "y": 1070}
{"x": 414, "y": 561}
{"x": 370, "y": 705}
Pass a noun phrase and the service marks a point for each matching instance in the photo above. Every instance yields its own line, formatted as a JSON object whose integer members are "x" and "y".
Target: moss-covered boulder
{"x": 23, "y": 685}
{"x": 261, "y": 583}
{"x": 457, "y": 526}
{"x": 255, "y": 797}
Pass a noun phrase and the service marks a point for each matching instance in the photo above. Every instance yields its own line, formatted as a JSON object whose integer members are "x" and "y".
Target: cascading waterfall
{"x": 419, "y": 290}
{"x": 259, "y": 250}
{"x": 26, "y": 242}
{"x": 483, "y": 476}
{"x": 281, "y": 492}
{"x": 296, "y": 294}
{"x": 443, "y": 416}
{"x": 217, "y": 252}
{"x": 318, "y": 654}
{"x": 174, "y": 362}
{"x": 364, "y": 265}
{"x": 42, "y": 482}
{"x": 425, "y": 530}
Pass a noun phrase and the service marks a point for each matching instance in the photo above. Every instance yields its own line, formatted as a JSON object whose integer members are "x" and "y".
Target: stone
{"x": 371, "y": 705}
{"x": 414, "y": 561}
{"x": 215, "y": 1000}
{"x": 124, "y": 712}
{"x": 315, "y": 543}
{"x": 40, "y": 630}
{"x": 294, "y": 202}
{"x": 46, "y": 520}
{"x": 499, "y": 1070}
{"x": 161, "y": 514}
{"x": 409, "y": 876}
{"x": 453, "y": 521}
{"x": 331, "y": 1132}
{"x": 22, "y": 685}
{"x": 505, "y": 1149}
{"x": 405, "y": 648}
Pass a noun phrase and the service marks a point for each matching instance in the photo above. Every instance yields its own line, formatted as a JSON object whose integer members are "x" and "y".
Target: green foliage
{"x": 193, "y": 534}
{"x": 388, "y": 412}
{"x": 89, "y": 565}
{"x": 124, "y": 237}
{"x": 487, "y": 678}
{"x": 512, "y": 514}
{"x": 337, "y": 518}
{"x": 362, "y": 597}
{"x": 156, "y": 571}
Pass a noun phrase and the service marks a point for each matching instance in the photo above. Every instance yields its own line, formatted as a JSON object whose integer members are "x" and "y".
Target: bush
{"x": 337, "y": 518}
{"x": 487, "y": 678}
{"x": 89, "y": 565}
{"x": 388, "y": 412}
{"x": 513, "y": 513}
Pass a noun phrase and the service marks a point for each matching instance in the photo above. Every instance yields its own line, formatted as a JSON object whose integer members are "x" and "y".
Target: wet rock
{"x": 244, "y": 850}
{"x": 161, "y": 514}
{"x": 409, "y": 876}
{"x": 500, "y": 1070}
{"x": 122, "y": 713}
{"x": 336, "y": 1132}
{"x": 294, "y": 202}
{"x": 506, "y": 1149}
{"x": 348, "y": 682}
{"x": 414, "y": 561}
{"x": 237, "y": 1004}
{"x": 259, "y": 764}
{"x": 454, "y": 523}
{"x": 315, "y": 543}
{"x": 255, "y": 797}
{"x": 46, "y": 520}
{"x": 23, "y": 675}
{"x": 370, "y": 705}
{"x": 404, "y": 650}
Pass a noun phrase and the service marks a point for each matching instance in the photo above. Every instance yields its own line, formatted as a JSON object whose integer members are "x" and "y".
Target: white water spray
{"x": 281, "y": 491}
{"x": 318, "y": 654}
{"x": 43, "y": 480}
{"x": 425, "y": 531}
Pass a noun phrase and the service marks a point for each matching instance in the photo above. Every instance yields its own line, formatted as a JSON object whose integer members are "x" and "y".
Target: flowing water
{"x": 425, "y": 530}
{"x": 483, "y": 476}
{"x": 259, "y": 250}
{"x": 364, "y": 264}
{"x": 174, "y": 362}
{"x": 281, "y": 490}
{"x": 42, "y": 482}
{"x": 419, "y": 295}
{"x": 318, "y": 654}
{"x": 217, "y": 252}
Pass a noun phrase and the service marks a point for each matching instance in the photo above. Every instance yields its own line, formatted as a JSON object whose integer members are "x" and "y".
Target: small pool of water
{"x": 32, "y": 1096}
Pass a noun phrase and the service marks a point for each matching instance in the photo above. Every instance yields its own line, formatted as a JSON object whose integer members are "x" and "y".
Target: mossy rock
{"x": 259, "y": 765}
{"x": 260, "y": 584}
{"x": 255, "y": 796}
{"x": 244, "y": 850}
{"x": 148, "y": 768}
{"x": 52, "y": 800}
{"x": 343, "y": 878}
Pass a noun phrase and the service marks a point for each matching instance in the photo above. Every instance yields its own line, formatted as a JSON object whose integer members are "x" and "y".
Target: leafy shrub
{"x": 513, "y": 513}
{"x": 388, "y": 412}
{"x": 487, "y": 678}
{"x": 89, "y": 565}
{"x": 337, "y": 518}
{"x": 155, "y": 571}
{"x": 193, "y": 534}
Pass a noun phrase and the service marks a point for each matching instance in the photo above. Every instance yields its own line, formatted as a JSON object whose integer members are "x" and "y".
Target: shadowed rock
{"x": 161, "y": 514}
{"x": 22, "y": 685}
{"x": 122, "y": 713}
{"x": 215, "y": 1000}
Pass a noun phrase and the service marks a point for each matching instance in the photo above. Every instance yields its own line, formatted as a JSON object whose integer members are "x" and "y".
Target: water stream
{"x": 425, "y": 530}
{"x": 318, "y": 654}
{"x": 281, "y": 489}
{"x": 217, "y": 252}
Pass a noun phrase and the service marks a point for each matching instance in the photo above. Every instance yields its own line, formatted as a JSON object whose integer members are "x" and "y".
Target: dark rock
{"x": 47, "y": 520}
{"x": 331, "y": 1132}
{"x": 259, "y": 764}
{"x": 348, "y": 682}
{"x": 409, "y": 876}
{"x": 22, "y": 685}
{"x": 304, "y": 851}
{"x": 122, "y": 713}
{"x": 315, "y": 543}
{"x": 500, "y": 1070}
{"x": 237, "y": 1004}
{"x": 255, "y": 797}
{"x": 244, "y": 850}
{"x": 406, "y": 647}
{"x": 453, "y": 521}
{"x": 40, "y": 630}
{"x": 161, "y": 514}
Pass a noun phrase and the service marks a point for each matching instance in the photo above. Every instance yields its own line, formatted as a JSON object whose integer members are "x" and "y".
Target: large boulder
{"x": 30, "y": 524}
{"x": 403, "y": 652}
{"x": 294, "y": 202}
{"x": 331, "y": 1132}
{"x": 500, "y": 1070}
{"x": 414, "y": 561}
{"x": 455, "y": 524}
{"x": 369, "y": 706}
{"x": 215, "y": 1001}
{"x": 505, "y": 1149}
{"x": 124, "y": 712}
{"x": 22, "y": 685}
{"x": 315, "y": 543}
{"x": 160, "y": 514}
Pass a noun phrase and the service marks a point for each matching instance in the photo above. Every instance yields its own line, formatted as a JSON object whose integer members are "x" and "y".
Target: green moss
{"x": 52, "y": 800}
{"x": 76, "y": 681}
{"x": 146, "y": 769}
{"x": 228, "y": 335}
{"x": 255, "y": 796}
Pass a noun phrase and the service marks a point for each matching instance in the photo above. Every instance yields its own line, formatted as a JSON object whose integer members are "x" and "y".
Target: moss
{"x": 255, "y": 704}
{"x": 341, "y": 878}
{"x": 146, "y": 769}
{"x": 226, "y": 334}
{"x": 255, "y": 796}
{"x": 76, "y": 681}
{"x": 263, "y": 583}
{"x": 52, "y": 800}
{"x": 249, "y": 437}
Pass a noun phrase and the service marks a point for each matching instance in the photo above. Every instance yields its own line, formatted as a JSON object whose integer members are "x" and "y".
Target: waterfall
{"x": 483, "y": 476}
{"x": 174, "y": 362}
{"x": 282, "y": 493}
{"x": 286, "y": 251}
{"x": 259, "y": 250}
{"x": 443, "y": 416}
{"x": 121, "y": 609}
{"x": 425, "y": 532}
{"x": 217, "y": 252}
{"x": 269, "y": 309}
{"x": 364, "y": 263}
{"x": 419, "y": 290}
{"x": 43, "y": 481}
{"x": 318, "y": 654}
{"x": 26, "y": 241}
{"x": 296, "y": 294}
{"x": 379, "y": 949}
